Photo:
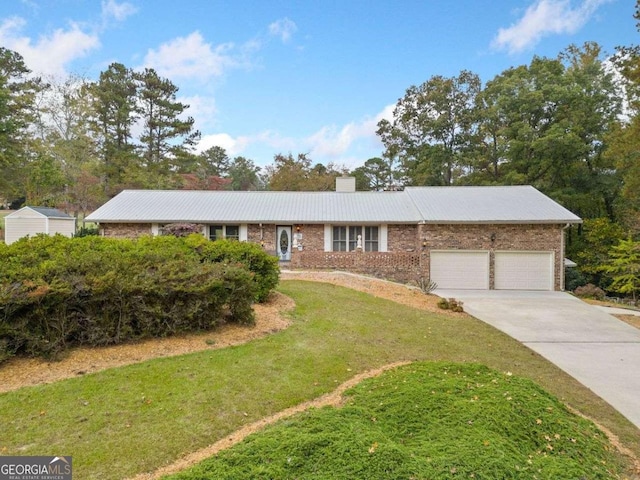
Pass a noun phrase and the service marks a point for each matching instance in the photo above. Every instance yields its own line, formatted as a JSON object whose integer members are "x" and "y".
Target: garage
{"x": 524, "y": 270}
{"x": 460, "y": 269}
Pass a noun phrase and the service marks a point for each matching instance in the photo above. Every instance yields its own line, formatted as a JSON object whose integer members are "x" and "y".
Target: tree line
{"x": 567, "y": 125}
{"x": 564, "y": 125}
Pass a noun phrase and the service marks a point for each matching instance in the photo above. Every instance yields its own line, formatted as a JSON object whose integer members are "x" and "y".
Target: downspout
{"x": 562, "y": 256}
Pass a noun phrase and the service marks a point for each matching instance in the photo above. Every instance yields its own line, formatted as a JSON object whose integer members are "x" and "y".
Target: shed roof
{"x": 44, "y": 211}
{"x": 521, "y": 204}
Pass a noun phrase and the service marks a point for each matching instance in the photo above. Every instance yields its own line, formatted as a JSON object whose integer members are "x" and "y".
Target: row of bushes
{"x": 57, "y": 292}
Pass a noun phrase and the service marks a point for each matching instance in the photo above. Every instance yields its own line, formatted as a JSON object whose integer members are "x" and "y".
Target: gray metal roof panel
{"x": 488, "y": 204}
{"x": 49, "y": 212}
{"x": 500, "y": 204}
{"x": 164, "y": 206}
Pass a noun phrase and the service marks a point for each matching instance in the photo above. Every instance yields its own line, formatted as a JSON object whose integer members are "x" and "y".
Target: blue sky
{"x": 272, "y": 76}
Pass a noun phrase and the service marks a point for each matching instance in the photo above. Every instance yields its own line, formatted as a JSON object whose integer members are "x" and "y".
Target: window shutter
{"x": 155, "y": 229}
{"x": 327, "y": 238}
{"x": 244, "y": 233}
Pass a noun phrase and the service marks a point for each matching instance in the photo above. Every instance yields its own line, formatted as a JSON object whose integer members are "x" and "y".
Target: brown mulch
{"x": 21, "y": 372}
{"x": 396, "y": 292}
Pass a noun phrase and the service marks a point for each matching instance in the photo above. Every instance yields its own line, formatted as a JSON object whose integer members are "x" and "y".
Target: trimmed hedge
{"x": 57, "y": 292}
{"x": 265, "y": 267}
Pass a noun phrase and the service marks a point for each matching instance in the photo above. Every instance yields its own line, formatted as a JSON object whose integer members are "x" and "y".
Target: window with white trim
{"x": 371, "y": 242}
{"x": 218, "y": 232}
{"x": 345, "y": 238}
{"x": 339, "y": 239}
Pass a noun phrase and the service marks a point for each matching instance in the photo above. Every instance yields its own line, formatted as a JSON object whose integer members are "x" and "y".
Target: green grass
{"x": 426, "y": 420}
{"x": 128, "y": 420}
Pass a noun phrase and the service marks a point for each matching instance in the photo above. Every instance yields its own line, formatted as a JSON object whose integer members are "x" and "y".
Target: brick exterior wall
{"x": 125, "y": 230}
{"x": 402, "y": 238}
{"x": 312, "y": 237}
{"x": 405, "y": 267}
{"x": 264, "y": 235}
{"x": 498, "y": 237}
{"x": 406, "y": 259}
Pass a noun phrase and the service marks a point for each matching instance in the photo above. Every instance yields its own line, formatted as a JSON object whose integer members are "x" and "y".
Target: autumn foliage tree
{"x": 289, "y": 173}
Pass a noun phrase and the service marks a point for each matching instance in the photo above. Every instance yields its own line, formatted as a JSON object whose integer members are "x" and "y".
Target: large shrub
{"x": 57, "y": 292}
{"x": 264, "y": 267}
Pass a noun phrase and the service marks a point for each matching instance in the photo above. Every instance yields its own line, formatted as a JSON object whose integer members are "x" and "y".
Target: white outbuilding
{"x": 30, "y": 221}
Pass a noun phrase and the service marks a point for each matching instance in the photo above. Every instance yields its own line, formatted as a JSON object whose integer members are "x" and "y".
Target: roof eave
{"x": 501, "y": 222}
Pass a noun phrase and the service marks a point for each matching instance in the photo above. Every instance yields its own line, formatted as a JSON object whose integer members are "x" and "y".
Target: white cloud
{"x": 283, "y": 28}
{"x": 543, "y": 18}
{"x": 267, "y": 142}
{"x": 51, "y": 53}
{"x": 192, "y": 57}
{"x": 350, "y": 145}
{"x": 31, "y": 4}
{"x": 111, "y": 9}
{"x": 333, "y": 143}
{"x": 233, "y": 146}
{"x": 202, "y": 109}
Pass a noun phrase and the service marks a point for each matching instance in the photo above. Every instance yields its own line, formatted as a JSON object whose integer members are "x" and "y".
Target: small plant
{"x": 443, "y": 303}
{"x": 451, "y": 304}
{"x": 181, "y": 229}
{"x": 426, "y": 285}
{"x": 86, "y": 231}
{"x": 589, "y": 291}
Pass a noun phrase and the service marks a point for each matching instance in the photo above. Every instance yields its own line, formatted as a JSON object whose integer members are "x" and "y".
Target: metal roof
{"x": 44, "y": 211}
{"x": 162, "y": 206}
{"x": 491, "y": 204}
{"x": 522, "y": 204}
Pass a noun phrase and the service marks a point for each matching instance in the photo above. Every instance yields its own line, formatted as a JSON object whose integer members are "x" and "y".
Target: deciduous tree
{"x": 244, "y": 175}
{"x": 297, "y": 174}
{"x": 433, "y": 127}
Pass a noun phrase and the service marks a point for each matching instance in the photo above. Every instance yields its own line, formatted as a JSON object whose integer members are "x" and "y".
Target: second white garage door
{"x": 524, "y": 271}
{"x": 460, "y": 269}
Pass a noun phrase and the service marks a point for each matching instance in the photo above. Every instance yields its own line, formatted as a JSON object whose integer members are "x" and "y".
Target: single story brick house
{"x": 495, "y": 237}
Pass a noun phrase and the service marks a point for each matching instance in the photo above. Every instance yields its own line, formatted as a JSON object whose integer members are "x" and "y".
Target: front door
{"x": 283, "y": 243}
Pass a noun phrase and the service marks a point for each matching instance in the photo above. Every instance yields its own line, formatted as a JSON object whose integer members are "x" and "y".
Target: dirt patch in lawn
{"x": 333, "y": 398}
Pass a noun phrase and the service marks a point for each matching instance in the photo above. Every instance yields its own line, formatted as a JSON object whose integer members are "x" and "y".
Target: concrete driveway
{"x": 598, "y": 350}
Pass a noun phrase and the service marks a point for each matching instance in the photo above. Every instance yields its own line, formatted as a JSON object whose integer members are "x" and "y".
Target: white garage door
{"x": 460, "y": 269}
{"x": 524, "y": 271}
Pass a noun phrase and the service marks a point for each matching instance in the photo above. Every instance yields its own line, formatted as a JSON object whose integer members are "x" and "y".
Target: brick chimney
{"x": 345, "y": 184}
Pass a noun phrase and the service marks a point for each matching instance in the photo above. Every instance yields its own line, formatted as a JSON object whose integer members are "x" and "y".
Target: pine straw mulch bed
{"x": 20, "y": 372}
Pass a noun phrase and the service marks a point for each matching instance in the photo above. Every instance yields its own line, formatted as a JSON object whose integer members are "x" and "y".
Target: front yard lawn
{"x": 425, "y": 420}
{"x": 133, "y": 419}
